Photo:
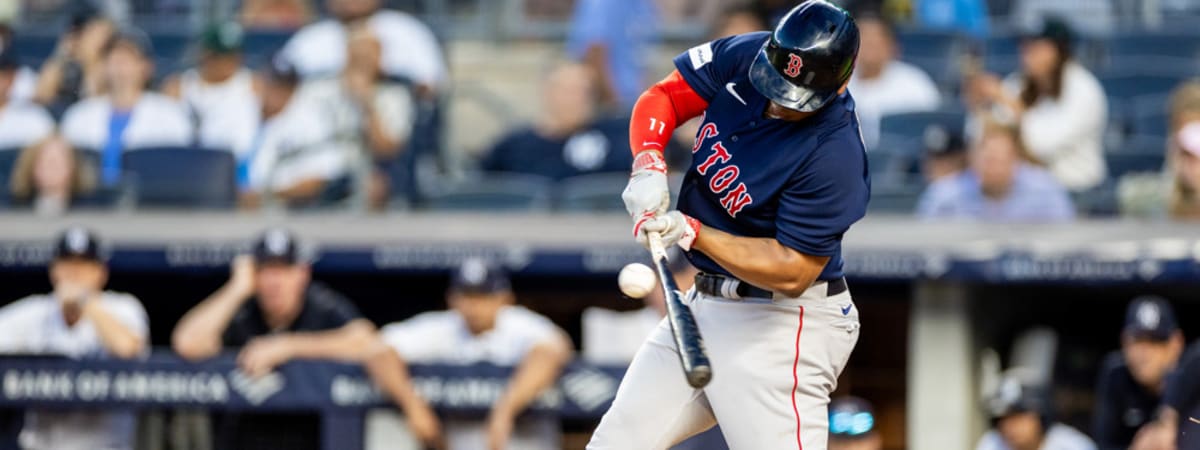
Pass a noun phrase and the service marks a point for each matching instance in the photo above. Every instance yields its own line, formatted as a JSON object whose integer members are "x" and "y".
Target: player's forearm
{"x": 303, "y": 190}
{"x": 116, "y": 338}
{"x": 198, "y": 334}
{"x": 537, "y": 371}
{"x": 762, "y": 262}
{"x": 659, "y": 110}
{"x": 351, "y": 342}
{"x": 390, "y": 373}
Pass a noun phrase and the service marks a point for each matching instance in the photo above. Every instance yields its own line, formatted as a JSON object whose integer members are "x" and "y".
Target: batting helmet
{"x": 809, "y": 57}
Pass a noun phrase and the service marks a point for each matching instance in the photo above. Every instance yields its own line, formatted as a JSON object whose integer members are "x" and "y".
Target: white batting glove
{"x": 647, "y": 194}
{"x": 674, "y": 228}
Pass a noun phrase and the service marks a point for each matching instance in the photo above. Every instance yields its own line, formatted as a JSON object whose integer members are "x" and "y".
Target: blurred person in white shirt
{"x": 484, "y": 326}
{"x": 1059, "y": 105}
{"x": 294, "y": 157}
{"x": 21, "y": 123}
{"x": 79, "y": 320}
{"x": 613, "y": 337}
{"x": 1022, "y": 420}
{"x": 409, "y": 48}
{"x": 127, "y": 116}
{"x": 369, "y": 113}
{"x": 219, "y": 91}
{"x": 882, "y": 84}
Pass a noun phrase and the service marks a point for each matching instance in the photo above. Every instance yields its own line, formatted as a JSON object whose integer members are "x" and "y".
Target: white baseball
{"x": 636, "y": 280}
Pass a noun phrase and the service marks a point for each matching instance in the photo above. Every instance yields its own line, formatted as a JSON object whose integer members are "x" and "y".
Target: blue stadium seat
{"x": 33, "y": 49}
{"x": 181, "y": 177}
{"x": 912, "y": 125}
{"x": 495, "y": 192}
{"x": 889, "y": 198}
{"x": 1141, "y": 44}
{"x": 1139, "y": 153}
{"x": 170, "y": 51}
{"x": 259, "y": 45}
{"x": 8, "y": 158}
{"x": 1001, "y": 54}
{"x": 936, "y": 52}
{"x": 593, "y": 192}
{"x": 1126, "y": 86}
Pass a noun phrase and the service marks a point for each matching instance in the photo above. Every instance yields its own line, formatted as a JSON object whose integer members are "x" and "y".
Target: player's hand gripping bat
{"x": 683, "y": 325}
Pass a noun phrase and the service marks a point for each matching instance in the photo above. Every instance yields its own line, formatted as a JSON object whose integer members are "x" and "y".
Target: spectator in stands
{"x": 127, "y": 116}
{"x": 613, "y": 337}
{"x": 882, "y": 84}
{"x": 1183, "y": 202}
{"x": 21, "y": 123}
{"x": 369, "y": 113}
{"x": 567, "y": 139}
{"x": 1022, "y": 420}
{"x": 1132, "y": 381}
{"x": 24, "y": 80}
{"x": 1059, "y": 105}
{"x": 79, "y": 320}
{"x": 49, "y": 175}
{"x": 852, "y": 425}
{"x": 272, "y": 311}
{"x": 76, "y": 70}
{"x": 1169, "y": 193}
{"x": 294, "y": 158}
{"x": 409, "y": 49}
{"x": 998, "y": 185}
{"x": 945, "y": 153}
{"x": 276, "y": 14}
{"x": 219, "y": 92}
{"x": 603, "y": 38}
{"x": 484, "y": 326}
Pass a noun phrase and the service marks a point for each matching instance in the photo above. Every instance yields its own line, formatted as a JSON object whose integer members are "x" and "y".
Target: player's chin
{"x": 782, "y": 112}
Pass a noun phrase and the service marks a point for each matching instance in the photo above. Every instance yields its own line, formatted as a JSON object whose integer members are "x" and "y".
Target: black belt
{"x": 723, "y": 286}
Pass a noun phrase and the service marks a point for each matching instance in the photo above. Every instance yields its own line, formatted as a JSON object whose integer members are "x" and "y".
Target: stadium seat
{"x": 8, "y": 158}
{"x": 170, "y": 51}
{"x": 33, "y": 49}
{"x": 599, "y": 192}
{"x": 912, "y": 125}
{"x": 1127, "y": 86}
{"x": 1141, "y": 44}
{"x": 1001, "y": 54}
{"x": 936, "y": 52}
{"x": 181, "y": 177}
{"x": 895, "y": 198}
{"x": 494, "y": 193}
{"x": 259, "y": 45}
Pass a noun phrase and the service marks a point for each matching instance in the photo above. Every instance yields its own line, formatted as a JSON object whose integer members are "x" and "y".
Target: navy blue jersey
{"x": 803, "y": 183}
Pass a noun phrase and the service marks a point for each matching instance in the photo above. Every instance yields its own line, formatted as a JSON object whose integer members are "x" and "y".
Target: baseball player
{"x": 79, "y": 320}
{"x": 778, "y": 175}
{"x": 1022, "y": 420}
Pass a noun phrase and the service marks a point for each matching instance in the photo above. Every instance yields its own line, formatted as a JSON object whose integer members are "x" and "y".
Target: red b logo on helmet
{"x": 794, "y": 65}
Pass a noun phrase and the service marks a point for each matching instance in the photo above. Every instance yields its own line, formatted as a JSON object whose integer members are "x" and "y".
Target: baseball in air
{"x": 636, "y": 280}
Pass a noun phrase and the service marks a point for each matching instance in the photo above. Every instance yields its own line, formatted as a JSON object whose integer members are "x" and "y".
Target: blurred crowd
{"x": 1020, "y": 110}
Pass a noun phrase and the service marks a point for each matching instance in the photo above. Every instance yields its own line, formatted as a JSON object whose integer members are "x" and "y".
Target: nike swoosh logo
{"x": 729, "y": 87}
{"x": 846, "y": 310}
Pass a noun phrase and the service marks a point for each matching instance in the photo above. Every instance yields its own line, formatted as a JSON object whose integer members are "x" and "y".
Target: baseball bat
{"x": 692, "y": 355}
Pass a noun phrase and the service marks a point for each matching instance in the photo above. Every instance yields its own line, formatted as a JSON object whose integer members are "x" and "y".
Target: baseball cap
{"x": 850, "y": 417}
{"x": 1014, "y": 396}
{"x": 479, "y": 276}
{"x": 78, "y": 242}
{"x": 81, "y": 12}
{"x": 1054, "y": 29}
{"x": 1150, "y": 316}
{"x": 222, "y": 38}
{"x": 940, "y": 140}
{"x": 279, "y": 245}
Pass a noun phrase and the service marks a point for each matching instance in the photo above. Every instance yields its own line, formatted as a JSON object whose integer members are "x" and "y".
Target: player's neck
{"x": 775, "y": 111}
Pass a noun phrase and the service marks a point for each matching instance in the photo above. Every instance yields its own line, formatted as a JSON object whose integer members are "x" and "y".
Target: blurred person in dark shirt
{"x": 272, "y": 312}
{"x": 568, "y": 138}
{"x": 219, "y": 91}
{"x": 410, "y": 50}
{"x": 945, "y": 153}
{"x": 76, "y": 69}
{"x": 1132, "y": 381}
{"x": 50, "y": 175}
{"x": 1177, "y": 424}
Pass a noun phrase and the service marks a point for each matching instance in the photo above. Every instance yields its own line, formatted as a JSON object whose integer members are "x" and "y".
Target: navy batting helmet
{"x": 809, "y": 57}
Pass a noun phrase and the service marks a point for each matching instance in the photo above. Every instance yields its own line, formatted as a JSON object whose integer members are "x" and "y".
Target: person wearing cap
{"x": 1175, "y": 191}
{"x": 409, "y": 49}
{"x": 76, "y": 68}
{"x": 372, "y": 115}
{"x": 294, "y": 158}
{"x": 945, "y": 153}
{"x": 80, "y": 320}
{"x": 1177, "y": 422}
{"x": 852, "y": 425}
{"x": 219, "y": 91}
{"x": 1022, "y": 420}
{"x": 1059, "y": 105}
{"x": 272, "y": 312}
{"x": 127, "y": 116}
{"x": 999, "y": 185}
{"x": 484, "y": 326}
{"x": 882, "y": 84}
{"x": 1132, "y": 381}
{"x": 22, "y": 123}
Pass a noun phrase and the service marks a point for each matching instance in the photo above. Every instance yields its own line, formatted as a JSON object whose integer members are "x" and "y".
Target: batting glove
{"x": 647, "y": 194}
{"x": 673, "y": 228}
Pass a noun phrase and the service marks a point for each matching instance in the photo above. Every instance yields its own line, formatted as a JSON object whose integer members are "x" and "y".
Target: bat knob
{"x": 699, "y": 377}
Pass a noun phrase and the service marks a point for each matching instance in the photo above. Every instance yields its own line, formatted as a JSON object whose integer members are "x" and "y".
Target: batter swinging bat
{"x": 683, "y": 325}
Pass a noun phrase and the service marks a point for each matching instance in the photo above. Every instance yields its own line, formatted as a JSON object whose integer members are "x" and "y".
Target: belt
{"x": 728, "y": 287}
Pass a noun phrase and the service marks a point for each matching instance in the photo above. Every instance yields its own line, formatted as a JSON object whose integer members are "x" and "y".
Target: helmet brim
{"x": 772, "y": 84}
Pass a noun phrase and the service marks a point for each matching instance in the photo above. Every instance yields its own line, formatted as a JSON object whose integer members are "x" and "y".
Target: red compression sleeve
{"x": 665, "y": 105}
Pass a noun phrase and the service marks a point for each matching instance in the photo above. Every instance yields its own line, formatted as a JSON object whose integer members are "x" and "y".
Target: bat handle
{"x": 656, "y": 246}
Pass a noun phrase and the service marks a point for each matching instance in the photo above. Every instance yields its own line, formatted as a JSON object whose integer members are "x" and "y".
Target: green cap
{"x": 222, "y": 38}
